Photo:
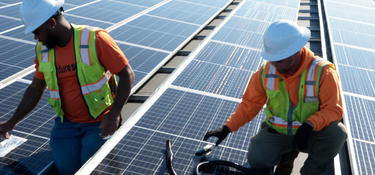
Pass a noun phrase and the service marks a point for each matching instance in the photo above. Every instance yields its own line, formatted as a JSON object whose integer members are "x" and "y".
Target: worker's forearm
{"x": 124, "y": 88}
{"x": 27, "y": 104}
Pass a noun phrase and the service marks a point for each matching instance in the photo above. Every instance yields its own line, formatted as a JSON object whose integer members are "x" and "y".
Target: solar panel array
{"x": 351, "y": 27}
{"x": 149, "y": 32}
{"x": 197, "y": 98}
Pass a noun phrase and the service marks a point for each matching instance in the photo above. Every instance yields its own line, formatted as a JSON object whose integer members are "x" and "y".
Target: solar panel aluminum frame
{"x": 350, "y": 145}
{"x": 95, "y": 160}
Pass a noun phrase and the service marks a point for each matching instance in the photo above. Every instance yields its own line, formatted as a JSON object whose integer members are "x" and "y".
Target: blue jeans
{"x": 74, "y": 143}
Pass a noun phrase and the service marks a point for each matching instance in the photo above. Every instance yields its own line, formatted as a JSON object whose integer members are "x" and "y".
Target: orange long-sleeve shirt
{"x": 254, "y": 98}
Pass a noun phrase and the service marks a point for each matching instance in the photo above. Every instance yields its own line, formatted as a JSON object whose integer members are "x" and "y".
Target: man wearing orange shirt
{"x": 303, "y": 104}
{"x": 76, "y": 64}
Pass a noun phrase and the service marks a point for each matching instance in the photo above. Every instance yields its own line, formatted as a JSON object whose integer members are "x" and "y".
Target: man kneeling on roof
{"x": 303, "y": 105}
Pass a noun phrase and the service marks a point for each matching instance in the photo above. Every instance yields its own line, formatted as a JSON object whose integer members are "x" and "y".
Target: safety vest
{"x": 280, "y": 114}
{"x": 92, "y": 76}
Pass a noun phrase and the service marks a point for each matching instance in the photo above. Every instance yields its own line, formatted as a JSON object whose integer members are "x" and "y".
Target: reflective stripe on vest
{"x": 310, "y": 82}
{"x": 54, "y": 94}
{"x": 45, "y": 54}
{"x": 271, "y": 77}
{"x": 279, "y": 122}
{"x": 86, "y": 89}
{"x": 84, "y": 46}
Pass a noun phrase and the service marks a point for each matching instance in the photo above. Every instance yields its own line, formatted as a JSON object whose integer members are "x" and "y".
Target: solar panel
{"x": 232, "y": 56}
{"x": 11, "y": 10}
{"x": 153, "y": 32}
{"x": 185, "y": 11}
{"x": 8, "y": 23}
{"x": 214, "y": 78}
{"x": 143, "y": 61}
{"x": 350, "y": 57}
{"x": 264, "y": 11}
{"x": 32, "y": 156}
{"x": 112, "y": 11}
{"x": 14, "y": 57}
{"x": 351, "y": 36}
{"x": 357, "y": 13}
{"x": 351, "y": 77}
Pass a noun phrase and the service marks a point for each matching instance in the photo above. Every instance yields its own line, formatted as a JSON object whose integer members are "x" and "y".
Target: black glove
{"x": 302, "y": 136}
{"x": 220, "y": 133}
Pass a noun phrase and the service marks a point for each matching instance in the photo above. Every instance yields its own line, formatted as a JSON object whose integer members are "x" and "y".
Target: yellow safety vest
{"x": 280, "y": 114}
{"x": 92, "y": 76}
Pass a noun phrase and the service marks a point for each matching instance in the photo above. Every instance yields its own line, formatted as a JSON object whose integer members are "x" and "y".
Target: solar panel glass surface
{"x": 351, "y": 37}
{"x": 154, "y": 32}
{"x": 8, "y": 23}
{"x": 32, "y": 156}
{"x": 184, "y": 11}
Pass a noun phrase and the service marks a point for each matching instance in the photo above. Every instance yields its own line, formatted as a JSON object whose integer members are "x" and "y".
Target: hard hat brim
{"x": 291, "y": 50}
{"x": 41, "y": 21}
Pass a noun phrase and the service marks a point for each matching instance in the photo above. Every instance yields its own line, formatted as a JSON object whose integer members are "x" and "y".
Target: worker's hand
{"x": 220, "y": 133}
{"x": 109, "y": 124}
{"x": 5, "y": 127}
{"x": 302, "y": 136}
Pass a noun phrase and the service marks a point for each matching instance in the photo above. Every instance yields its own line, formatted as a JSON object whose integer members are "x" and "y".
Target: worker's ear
{"x": 51, "y": 23}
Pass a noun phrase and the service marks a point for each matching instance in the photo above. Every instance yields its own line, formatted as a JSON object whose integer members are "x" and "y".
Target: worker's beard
{"x": 52, "y": 40}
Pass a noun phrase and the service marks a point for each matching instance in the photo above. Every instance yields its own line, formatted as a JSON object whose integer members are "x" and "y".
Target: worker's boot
{"x": 285, "y": 168}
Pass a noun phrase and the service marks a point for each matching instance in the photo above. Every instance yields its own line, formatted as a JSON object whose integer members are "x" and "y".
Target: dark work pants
{"x": 268, "y": 148}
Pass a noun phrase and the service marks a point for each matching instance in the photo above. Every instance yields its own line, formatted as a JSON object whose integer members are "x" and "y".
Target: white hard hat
{"x": 35, "y": 12}
{"x": 282, "y": 39}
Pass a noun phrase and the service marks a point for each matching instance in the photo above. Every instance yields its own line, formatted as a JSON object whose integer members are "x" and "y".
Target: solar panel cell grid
{"x": 11, "y": 11}
{"x": 230, "y": 56}
{"x": 240, "y": 37}
{"x": 88, "y": 21}
{"x": 266, "y": 12}
{"x": 214, "y": 78}
{"x": 366, "y": 153}
{"x": 213, "y": 3}
{"x": 362, "y": 122}
{"x": 357, "y": 13}
{"x": 355, "y": 57}
{"x": 148, "y": 3}
{"x": 142, "y": 60}
{"x": 19, "y": 34}
{"x": 184, "y": 11}
{"x": 8, "y": 23}
{"x": 108, "y": 11}
{"x": 351, "y": 77}
{"x": 154, "y": 32}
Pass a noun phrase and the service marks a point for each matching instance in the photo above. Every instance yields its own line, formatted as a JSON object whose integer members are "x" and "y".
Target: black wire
{"x": 169, "y": 158}
{"x": 211, "y": 165}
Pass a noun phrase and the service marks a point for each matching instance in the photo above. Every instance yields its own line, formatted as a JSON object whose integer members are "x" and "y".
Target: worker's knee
{"x": 259, "y": 157}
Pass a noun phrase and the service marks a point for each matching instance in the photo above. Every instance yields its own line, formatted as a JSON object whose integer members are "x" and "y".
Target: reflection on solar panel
{"x": 199, "y": 97}
{"x": 352, "y": 39}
